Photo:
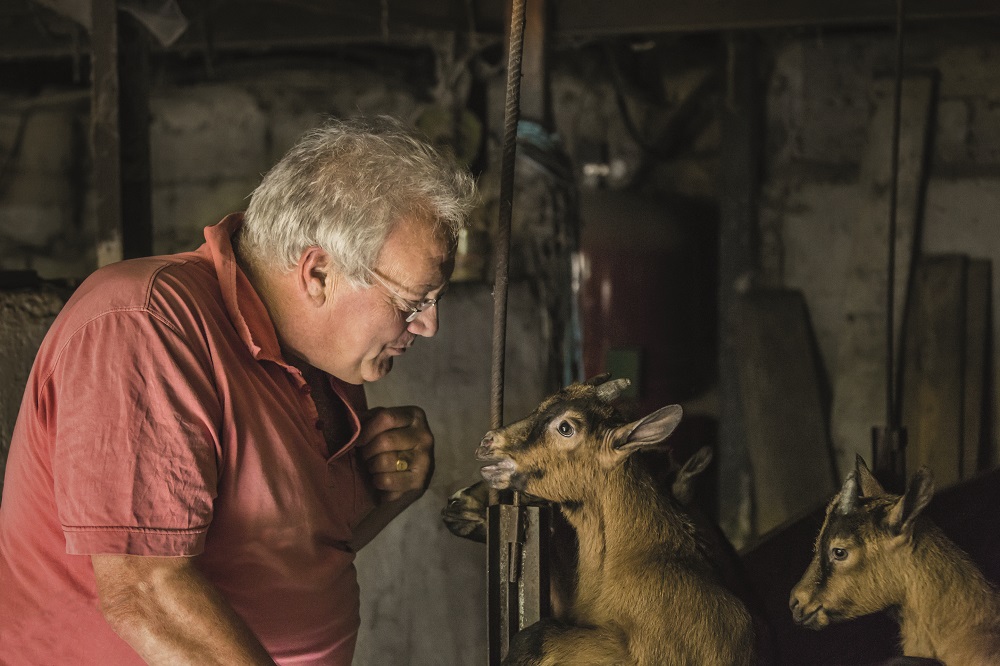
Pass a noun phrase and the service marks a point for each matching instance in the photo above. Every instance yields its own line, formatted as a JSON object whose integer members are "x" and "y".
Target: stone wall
{"x": 823, "y": 94}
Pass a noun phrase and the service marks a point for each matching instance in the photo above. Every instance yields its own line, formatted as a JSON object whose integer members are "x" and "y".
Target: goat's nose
{"x": 797, "y": 603}
{"x": 796, "y": 612}
{"x": 485, "y": 446}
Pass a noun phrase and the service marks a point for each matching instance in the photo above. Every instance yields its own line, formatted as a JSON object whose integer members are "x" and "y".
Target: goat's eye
{"x": 839, "y": 554}
{"x": 565, "y": 429}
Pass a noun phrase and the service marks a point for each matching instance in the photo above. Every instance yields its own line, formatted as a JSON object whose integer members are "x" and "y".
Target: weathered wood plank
{"x": 133, "y": 121}
{"x": 640, "y": 16}
{"x": 934, "y": 368}
{"x": 741, "y": 123}
{"x": 977, "y": 335}
{"x": 784, "y": 413}
{"x": 859, "y": 375}
{"x": 105, "y": 137}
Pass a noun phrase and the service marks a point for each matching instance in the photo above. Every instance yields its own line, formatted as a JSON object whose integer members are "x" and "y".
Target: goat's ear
{"x": 698, "y": 461}
{"x": 650, "y": 431}
{"x": 918, "y": 494}
{"x": 870, "y": 487}
{"x": 847, "y": 499}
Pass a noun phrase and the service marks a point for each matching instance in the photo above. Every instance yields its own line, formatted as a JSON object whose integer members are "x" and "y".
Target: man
{"x": 193, "y": 466}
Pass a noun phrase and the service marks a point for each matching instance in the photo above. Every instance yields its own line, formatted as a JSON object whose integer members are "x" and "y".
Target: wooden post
{"x": 133, "y": 121}
{"x": 105, "y": 137}
{"x": 742, "y": 119}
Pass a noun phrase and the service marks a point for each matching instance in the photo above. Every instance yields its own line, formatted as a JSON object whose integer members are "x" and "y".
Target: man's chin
{"x": 378, "y": 369}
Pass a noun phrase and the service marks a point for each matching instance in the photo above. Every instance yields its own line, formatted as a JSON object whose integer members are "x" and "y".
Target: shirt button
{"x": 319, "y": 424}
{"x": 306, "y": 389}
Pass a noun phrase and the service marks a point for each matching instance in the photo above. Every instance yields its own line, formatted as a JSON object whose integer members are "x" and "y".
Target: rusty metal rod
{"x": 502, "y": 241}
{"x": 889, "y": 442}
{"x": 505, "y": 521}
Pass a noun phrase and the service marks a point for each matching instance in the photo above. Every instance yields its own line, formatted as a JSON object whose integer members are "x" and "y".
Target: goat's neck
{"x": 625, "y": 520}
{"x": 944, "y": 597}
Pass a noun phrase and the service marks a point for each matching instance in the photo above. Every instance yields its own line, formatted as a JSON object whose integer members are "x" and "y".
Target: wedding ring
{"x": 402, "y": 465}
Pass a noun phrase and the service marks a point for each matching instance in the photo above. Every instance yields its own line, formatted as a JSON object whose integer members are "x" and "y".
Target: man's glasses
{"x": 414, "y": 308}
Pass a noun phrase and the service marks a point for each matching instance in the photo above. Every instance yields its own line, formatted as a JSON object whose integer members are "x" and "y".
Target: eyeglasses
{"x": 413, "y": 307}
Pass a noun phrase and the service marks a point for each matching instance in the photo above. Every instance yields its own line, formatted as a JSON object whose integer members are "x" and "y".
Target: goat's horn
{"x": 597, "y": 380}
{"x": 608, "y": 391}
{"x": 848, "y": 495}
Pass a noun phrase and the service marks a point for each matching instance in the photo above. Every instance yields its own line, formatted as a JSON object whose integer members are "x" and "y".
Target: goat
{"x": 875, "y": 551}
{"x": 646, "y": 593}
{"x": 465, "y": 516}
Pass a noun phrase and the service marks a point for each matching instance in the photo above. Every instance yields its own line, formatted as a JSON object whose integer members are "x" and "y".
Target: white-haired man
{"x": 194, "y": 464}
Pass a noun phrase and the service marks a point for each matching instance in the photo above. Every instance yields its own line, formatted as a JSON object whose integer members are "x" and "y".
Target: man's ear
{"x": 314, "y": 274}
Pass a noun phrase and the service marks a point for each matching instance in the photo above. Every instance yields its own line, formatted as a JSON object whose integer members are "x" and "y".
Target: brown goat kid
{"x": 875, "y": 551}
{"x": 646, "y": 594}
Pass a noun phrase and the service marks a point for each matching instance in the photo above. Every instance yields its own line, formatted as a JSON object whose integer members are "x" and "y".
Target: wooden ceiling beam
{"x": 26, "y": 32}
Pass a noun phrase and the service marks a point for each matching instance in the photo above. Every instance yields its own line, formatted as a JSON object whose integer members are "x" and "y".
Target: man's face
{"x": 359, "y": 331}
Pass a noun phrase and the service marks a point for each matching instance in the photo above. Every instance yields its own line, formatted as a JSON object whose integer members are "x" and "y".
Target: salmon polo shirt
{"x": 161, "y": 419}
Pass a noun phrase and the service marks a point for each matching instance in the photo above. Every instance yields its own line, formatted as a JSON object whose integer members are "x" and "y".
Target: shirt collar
{"x": 246, "y": 310}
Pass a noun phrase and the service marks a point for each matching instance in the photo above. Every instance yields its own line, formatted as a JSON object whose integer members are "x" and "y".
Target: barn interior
{"x": 781, "y": 215}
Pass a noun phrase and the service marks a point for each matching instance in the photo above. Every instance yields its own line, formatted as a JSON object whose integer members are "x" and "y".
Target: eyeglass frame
{"x": 415, "y": 307}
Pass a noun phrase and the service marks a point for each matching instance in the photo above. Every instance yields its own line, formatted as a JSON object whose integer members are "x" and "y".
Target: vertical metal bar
{"x": 889, "y": 442}
{"x": 506, "y": 522}
{"x": 891, "y": 411}
{"x": 502, "y": 241}
{"x": 105, "y": 138}
{"x": 533, "y": 583}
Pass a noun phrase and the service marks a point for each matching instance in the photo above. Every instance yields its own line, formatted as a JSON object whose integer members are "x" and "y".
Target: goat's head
{"x": 569, "y": 443}
{"x": 857, "y": 558}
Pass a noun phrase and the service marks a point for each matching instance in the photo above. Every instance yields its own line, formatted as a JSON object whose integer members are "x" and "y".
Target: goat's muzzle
{"x": 806, "y": 612}
{"x": 499, "y": 473}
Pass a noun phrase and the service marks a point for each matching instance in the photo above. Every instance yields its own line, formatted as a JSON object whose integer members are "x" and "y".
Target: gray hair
{"x": 343, "y": 187}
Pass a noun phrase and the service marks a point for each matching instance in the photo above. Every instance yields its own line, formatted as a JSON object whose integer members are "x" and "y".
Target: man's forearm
{"x": 381, "y": 516}
{"x": 166, "y": 610}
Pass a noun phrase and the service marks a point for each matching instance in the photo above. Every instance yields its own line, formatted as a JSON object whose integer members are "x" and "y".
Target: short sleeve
{"x": 134, "y": 416}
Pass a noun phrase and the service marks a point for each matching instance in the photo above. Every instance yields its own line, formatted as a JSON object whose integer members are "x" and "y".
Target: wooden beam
{"x": 784, "y": 410}
{"x": 934, "y": 368}
{"x": 977, "y": 362}
{"x": 133, "y": 122}
{"x": 596, "y": 17}
{"x": 534, "y": 84}
{"x": 105, "y": 137}
{"x": 742, "y": 123}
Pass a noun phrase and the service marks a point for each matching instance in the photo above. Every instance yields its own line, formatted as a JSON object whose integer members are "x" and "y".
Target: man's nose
{"x": 425, "y": 323}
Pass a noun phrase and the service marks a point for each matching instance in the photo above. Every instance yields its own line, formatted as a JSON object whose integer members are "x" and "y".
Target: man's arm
{"x": 166, "y": 610}
{"x": 381, "y": 515}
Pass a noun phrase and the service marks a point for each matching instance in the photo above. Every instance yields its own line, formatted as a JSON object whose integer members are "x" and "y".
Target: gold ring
{"x": 402, "y": 465}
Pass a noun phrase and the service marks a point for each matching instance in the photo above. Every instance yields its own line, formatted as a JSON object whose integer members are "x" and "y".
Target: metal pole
{"x": 889, "y": 443}
{"x": 507, "y": 521}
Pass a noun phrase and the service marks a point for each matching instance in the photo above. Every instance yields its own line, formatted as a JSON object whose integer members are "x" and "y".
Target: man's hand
{"x": 398, "y": 448}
